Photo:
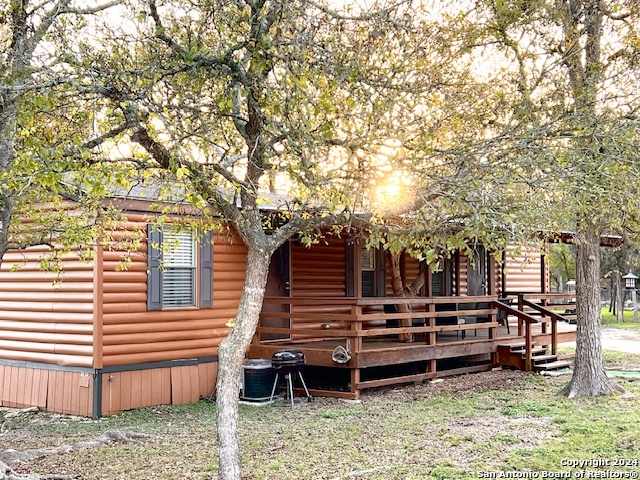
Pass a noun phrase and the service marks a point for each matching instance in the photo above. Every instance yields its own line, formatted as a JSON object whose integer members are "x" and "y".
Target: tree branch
{"x": 106, "y": 136}
{"x": 225, "y": 64}
{"x": 366, "y": 17}
{"x": 35, "y": 243}
{"x": 92, "y": 10}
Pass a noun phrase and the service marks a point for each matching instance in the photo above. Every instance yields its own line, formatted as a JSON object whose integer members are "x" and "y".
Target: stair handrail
{"x": 554, "y": 322}
{"x": 528, "y": 338}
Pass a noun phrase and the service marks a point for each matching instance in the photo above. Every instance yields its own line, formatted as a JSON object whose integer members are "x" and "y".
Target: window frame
{"x": 202, "y": 272}
{"x": 169, "y": 266}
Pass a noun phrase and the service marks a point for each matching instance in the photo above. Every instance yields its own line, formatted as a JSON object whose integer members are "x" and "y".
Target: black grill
{"x": 289, "y": 363}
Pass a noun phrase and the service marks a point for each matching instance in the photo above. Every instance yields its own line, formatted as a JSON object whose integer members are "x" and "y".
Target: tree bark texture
{"x": 618, "y": 297}
{"x": 8, "y": 122}
{"x": 231, "y": 355}
{"x": 589, "y": 376}
{"x": 393, "y": 260}
{"x": 620, "y": 286}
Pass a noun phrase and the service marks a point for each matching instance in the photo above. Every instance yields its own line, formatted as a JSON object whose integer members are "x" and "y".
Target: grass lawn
{"x": 487, "y": 422}
{"x": 610, "y": 319}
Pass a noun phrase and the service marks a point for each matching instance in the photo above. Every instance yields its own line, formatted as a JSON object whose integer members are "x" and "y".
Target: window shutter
{"x": 206, "y": 270}
{"x": 436, "y": 283}
{"x": 368, "y": 283}
{"x": 381, "y": 278}
{"x": 349, "y": 283}
{"x": 154, "y": 272}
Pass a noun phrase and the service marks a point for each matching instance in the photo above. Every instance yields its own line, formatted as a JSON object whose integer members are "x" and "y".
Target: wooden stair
{"x": 513, "y": 355}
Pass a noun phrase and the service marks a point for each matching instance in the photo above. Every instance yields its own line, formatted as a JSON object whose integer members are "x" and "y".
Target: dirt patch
{"x": 479, "y": 382}
{"x": 459, "y": 385}
{"x": 621, "y": 339}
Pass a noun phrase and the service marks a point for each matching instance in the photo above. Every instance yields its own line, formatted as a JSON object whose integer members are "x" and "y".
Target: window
{"x": 367, "y": 259}
{"x": 179, "y": 279}
{"x": 370, "y": 276}
{"x": 180, "y": 269}
{"x": 442, "y": 279}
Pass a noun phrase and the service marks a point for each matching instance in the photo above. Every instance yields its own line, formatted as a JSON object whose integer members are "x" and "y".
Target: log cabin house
{"x": 98, "y": 339}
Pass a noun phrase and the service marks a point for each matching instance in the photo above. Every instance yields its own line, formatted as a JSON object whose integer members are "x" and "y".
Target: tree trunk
{"x": 589, "y": 377}
{"x": 621, "y": 260}
{"x": 614, "y": 293}
{"x": 231, "y": 354}
{"x": 6, "y": 210}
{"x": 393, "y": 259}
{"x": 618, "y": 299}
{"x": 413, "y": 289}
{"x": 8, "y": 122}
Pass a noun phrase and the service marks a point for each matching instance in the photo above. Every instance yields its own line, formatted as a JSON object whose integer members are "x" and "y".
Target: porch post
{"x": 428, "y": 280}
{"x": 491, "y": 280}
{"x": 356, "y": 325}
{"x": 543, "y": 272}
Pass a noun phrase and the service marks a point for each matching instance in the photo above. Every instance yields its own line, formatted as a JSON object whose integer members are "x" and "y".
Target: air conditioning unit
{"x": 257, "y": 380}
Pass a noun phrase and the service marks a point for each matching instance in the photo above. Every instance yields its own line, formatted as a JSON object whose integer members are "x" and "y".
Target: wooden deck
{"x": 453, "y": 335}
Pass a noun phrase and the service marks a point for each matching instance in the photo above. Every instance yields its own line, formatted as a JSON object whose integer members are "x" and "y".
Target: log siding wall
{"x": 57, "y": 332}
{"x": 44, "y": 316}
{"x": 318, "y": 271}
{"x": 133, "y": 335}
{"x": 524, "y": 270}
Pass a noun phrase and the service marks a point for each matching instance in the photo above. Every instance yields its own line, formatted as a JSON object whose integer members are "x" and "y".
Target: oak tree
{"x": 570, "y": 72}
{"x": 276, "y": 114}
{"x": 44, "y": 131}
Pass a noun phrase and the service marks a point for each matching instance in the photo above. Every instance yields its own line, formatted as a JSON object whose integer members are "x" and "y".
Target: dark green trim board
{"x": 45, "y": 366}
{"x": 117, "y": 368}
{"x": 97, "y": 396}
{"x": 165, "y": 364}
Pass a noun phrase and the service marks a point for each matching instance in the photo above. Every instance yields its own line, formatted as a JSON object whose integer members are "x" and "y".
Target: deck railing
{"x": 537, "y": 308}
{"x": 357, "y": 319}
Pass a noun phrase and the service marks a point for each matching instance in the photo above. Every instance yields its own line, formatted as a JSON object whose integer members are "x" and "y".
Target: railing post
{"x": 493, "y": 318}
{"x": 356, "y": 325}
{"x": 493, "y": 332}
{"x": 554, "y": 335}
{"x": 543, "y": 303}
{"x": 521, "y": 308}
{"x": 431, "y": 337}
{"x": 528, "y": 362}
{"x": 431, "y": 321}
